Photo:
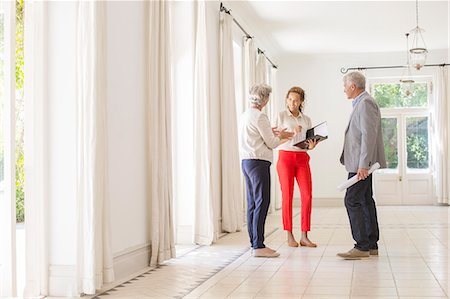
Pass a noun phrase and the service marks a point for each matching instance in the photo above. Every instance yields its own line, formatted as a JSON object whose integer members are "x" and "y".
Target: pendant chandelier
{"x": 418, "y": 51}
{"x": 406, "y": 80}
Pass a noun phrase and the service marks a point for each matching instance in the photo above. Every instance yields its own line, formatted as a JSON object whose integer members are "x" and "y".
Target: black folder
{"x": 319, "y": 133}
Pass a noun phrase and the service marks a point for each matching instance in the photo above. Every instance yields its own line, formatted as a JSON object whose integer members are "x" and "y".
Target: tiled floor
{"x": 413, "y": 263}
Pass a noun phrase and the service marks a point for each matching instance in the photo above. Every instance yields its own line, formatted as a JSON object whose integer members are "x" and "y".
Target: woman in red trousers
{"x": 293, "y": 163}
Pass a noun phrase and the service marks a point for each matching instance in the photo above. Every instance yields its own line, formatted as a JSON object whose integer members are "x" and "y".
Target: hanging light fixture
{"x": 406, "y": 80}
{"x": 418, "y": 51}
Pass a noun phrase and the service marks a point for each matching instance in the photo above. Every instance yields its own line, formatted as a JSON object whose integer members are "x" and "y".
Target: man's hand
{"x": 362, "y": 173}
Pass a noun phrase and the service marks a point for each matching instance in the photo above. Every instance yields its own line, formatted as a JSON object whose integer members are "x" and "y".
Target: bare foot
{"x": 291, "y": 240}
{"x": 306, "y": 242}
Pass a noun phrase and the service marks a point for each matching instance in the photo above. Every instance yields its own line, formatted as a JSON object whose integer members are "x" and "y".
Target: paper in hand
{"x": 354, "y": 179}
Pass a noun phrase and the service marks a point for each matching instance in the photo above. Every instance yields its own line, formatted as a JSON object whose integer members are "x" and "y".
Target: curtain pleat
{"x": 159, "y": 136}
{"x": 36, "y": 171}
{"x": 232, "y": 200}
{"x": 204, "y": 224}
{"x": 441, "y": 137}
{"x": 94, "y": 252}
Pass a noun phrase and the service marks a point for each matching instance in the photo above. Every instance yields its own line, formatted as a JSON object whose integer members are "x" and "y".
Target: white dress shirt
{"x": 286, "y": 120}
{"x": 256, "y": 139}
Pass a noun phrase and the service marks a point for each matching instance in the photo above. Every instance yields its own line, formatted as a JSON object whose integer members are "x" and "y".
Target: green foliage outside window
{"x": 417, "y": 142}
{"x": 391, "y": 95}
{"x": 20, "y": 173}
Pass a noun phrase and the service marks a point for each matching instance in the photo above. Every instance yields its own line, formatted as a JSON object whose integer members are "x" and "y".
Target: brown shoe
{"x": 265, "y": 252}
{"x": 373, "y": 251}
{"x": 354, "y": 254}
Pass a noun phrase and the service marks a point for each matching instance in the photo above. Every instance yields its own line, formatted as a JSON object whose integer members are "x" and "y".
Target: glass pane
{"x": 392, "y": 95}
{"x": 389, "y": 128}
{"x": 417, "y": 142}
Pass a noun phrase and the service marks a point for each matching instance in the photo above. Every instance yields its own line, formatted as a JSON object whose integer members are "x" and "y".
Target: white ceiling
{"x": 344, "y": 26}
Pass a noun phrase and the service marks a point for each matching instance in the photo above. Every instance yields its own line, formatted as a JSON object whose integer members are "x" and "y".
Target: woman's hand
{"x": 312, "y": 143}
{"x": 283, "y": 134}
{"x": 275, "y": 131}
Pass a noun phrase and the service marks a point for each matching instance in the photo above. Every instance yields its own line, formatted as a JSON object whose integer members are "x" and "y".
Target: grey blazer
{"x": 363, "y": 143}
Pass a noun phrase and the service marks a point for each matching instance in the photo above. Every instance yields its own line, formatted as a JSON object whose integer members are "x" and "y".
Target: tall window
{"x": 405, "y": 122}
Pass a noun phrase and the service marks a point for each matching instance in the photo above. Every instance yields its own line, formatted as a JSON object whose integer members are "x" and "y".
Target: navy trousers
{"x": 257, "y": 178}
{"x": 362, "y": 213}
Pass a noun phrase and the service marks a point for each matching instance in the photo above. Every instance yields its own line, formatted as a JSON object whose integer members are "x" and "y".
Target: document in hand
{"x": 319, "y": 133}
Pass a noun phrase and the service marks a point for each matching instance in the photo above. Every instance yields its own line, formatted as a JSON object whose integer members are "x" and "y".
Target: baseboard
{"x": 63, "y": 281}
{"x": 323, "y": 202}
{"x": 131, "y": 260}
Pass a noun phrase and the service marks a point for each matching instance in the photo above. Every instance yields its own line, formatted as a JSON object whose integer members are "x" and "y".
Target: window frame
{"x": 401, "y": 114}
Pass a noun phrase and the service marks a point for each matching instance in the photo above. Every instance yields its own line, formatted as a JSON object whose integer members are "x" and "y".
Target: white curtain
{"x": 249, "y": 66}
{"x": 275, "y": 106}
{"x": 159, "y": 138}
{"x": 249, "y": 79}
{"x": 441, "y": 136}
{"x": 8, "y": 256}
{"x": 94, "y": 254}
{"x": 232, "y": 200}
{"x": 36, "y": 171}
{"x": 204, "y": 225}
{"x": 261, "y": 69}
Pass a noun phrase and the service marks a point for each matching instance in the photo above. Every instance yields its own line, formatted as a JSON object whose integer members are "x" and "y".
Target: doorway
{"x": 405, "y": 114}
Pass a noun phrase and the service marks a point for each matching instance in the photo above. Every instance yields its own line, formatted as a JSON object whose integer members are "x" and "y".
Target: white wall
{"x": 320, "y": 77}
{"x": 126, "y": 87}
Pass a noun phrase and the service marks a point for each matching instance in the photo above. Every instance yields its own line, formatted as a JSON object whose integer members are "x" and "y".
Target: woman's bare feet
{"x": 304, "y": 241}
{"x": 291, "y": 240}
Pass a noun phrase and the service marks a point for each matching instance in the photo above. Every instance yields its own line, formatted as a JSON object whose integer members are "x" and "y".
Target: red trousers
{"x": 295, "y": 165}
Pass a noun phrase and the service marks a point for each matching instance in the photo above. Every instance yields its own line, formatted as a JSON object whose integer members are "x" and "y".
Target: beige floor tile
{"x": 413, "y": 262}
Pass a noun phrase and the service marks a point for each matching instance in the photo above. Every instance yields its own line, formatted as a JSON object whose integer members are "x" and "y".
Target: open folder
{"x": 319, "y": 133}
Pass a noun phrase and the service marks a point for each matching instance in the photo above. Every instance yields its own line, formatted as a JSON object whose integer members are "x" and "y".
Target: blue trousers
{"x": 362, "y": 214}
{"x": 257, "y": 178}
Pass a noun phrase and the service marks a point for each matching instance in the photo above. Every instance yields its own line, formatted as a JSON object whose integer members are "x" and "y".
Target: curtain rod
{"x": 228, "y": 11}
{"x": 360, "y": 68}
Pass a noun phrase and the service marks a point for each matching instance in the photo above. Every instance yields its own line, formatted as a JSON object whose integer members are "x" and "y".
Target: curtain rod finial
{"x": 344, "y": 70}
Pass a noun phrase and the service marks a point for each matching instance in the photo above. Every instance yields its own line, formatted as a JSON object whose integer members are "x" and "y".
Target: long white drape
{"x": 94, "y": 253}
{"x": 232, "y": 208}
{"x": 441, "y": 129}
{"x": 249, "y": 66}
{"x": 8, "y": 256}
{"x": 275, "y": 106}
{"x": 159, "y": 130}
{"x": 204, "y": 224}
{"x": 261, "y": 69}
{"x": 249, "y": 79}
{"x": 36, "y": 170}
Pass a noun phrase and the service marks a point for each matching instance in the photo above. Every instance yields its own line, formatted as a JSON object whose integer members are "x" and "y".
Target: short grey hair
{"x": 357, "y": 78}
{"x": 259, "y": 93}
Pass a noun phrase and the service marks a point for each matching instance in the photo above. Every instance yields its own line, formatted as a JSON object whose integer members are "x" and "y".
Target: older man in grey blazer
{"x": 363, "y": 146}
